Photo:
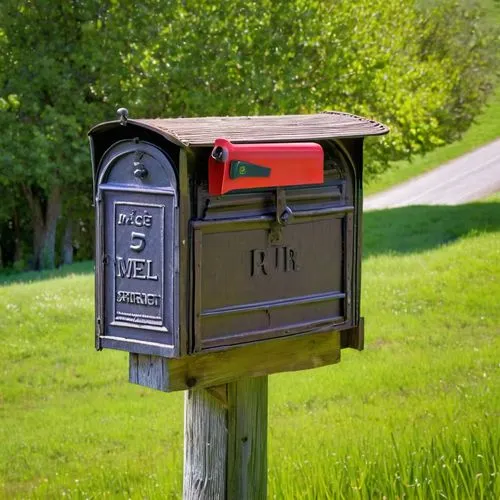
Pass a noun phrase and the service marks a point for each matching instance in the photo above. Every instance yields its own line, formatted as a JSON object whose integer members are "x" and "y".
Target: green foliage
{"x": 46, "y": 83}
{"x": 46, "y": 108}
{"x": 483, "y": 131}
{"x": 413, "y": 416}
{"x": 424, "y": 68}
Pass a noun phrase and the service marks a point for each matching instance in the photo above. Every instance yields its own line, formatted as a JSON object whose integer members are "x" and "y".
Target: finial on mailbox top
{"x": 123, "y": 114}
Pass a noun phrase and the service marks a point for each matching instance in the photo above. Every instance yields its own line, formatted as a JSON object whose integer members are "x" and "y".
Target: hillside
{"x": 415, "y": 413}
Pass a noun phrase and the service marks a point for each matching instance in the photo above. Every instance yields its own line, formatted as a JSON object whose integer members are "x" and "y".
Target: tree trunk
{"x": 18, "y": 242}
{"x": 45, "y": 213}
{"x": 68, "y": 242}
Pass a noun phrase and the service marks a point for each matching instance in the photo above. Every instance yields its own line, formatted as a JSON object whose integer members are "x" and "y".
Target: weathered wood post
{"x": 225, "y": 423}
{"x": 228, "y": 249}
{"x": 225, "y": 441}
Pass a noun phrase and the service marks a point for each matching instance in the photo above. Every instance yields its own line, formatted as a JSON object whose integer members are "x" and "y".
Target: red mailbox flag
{"x": 249, "y": 166}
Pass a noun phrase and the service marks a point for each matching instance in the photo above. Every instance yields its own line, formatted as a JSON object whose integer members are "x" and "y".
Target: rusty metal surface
{"x": 204, "y": 131}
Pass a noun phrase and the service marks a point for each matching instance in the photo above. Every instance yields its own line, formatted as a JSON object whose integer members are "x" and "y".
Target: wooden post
{"x": 225, "y": 441}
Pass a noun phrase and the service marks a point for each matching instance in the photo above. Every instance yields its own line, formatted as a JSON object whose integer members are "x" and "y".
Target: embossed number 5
{"x": 138, "y": 242}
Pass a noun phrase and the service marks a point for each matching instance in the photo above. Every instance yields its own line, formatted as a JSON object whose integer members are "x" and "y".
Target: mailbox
{"x": 214, "y": 233}
{"x": 235, "y": 167}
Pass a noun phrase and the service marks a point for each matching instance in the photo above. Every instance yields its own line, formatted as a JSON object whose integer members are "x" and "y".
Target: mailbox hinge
{"x": 283, "y": 214}
{"x": 98, "y": 334}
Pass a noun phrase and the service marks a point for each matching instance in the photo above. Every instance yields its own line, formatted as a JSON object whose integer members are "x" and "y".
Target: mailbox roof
{"x": 204, "y": 131}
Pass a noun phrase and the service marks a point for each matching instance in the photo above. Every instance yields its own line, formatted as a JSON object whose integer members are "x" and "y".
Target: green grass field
{"x": 415, "y": 415}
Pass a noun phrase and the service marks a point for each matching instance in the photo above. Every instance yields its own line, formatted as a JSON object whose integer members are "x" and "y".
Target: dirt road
{"x": 467, "y": 178}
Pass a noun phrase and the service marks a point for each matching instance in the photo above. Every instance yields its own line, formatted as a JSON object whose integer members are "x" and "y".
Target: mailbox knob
{"x": 140, "y": 171}
{"x": 123, "y": 115}
{"x": 285, "y": 216}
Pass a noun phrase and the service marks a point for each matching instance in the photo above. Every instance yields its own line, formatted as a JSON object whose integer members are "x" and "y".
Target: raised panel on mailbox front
{"x": 137, "y": 249}
{"x": 249, "y": 289}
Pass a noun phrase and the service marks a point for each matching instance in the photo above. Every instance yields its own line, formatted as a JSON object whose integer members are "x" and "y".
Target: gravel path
{"x": 467, "y": 178}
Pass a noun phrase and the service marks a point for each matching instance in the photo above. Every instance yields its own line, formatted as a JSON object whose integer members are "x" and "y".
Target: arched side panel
{"x": 108, "y": 134}
{"x": 137, "y": 251}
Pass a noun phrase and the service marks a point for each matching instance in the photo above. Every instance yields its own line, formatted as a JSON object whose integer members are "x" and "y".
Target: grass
{"x": 485, "y": 130}
{"x": 14, "y": 276}
{"x": 415, "y": 415}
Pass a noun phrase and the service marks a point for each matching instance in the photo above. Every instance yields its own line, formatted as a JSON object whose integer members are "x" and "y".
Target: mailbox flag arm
{"x": 234, "y": 167}
{"x": 244, "y": 169}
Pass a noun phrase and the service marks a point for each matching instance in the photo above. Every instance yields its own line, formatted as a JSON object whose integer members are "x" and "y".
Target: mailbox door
{"x": 254, "y": 280}
{"x": 137, "y": 251}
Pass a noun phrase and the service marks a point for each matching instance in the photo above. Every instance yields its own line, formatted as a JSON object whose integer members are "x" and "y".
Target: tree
{"x": 46, "y": 106}
{"x": 60, "y": 61}
{"x": 424, "y": 68}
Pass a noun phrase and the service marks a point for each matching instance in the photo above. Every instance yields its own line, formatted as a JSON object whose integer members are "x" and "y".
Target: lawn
{"x": 416, "y": 414}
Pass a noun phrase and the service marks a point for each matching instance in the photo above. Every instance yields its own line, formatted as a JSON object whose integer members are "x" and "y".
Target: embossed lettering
{"x": 139, "y": 298}
{"x": 140, "y": 241}
{"x": 259, "y": 262}
{"x": 291, "y": 260}
{"x": 135, "y": 219}
{"x": 123, "y": 268}
{"x": 275, "y": 259}
{"x": 140, "y": 269}
{"x": 122, "y": 219}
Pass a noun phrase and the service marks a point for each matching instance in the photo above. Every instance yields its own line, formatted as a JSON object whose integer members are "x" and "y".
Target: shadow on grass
{"x": 27, "y": 276}
{"x": 420, "y": 228}
{"x": 397, "y": 231}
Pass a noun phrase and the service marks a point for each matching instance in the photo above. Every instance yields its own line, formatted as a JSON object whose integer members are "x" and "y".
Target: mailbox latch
{"x": 283, "y": 215}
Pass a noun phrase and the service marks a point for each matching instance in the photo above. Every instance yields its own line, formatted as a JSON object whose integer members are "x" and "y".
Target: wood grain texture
{"x": 247, "y": 439}
{"x": 204, "y": 131}
{"x": 225, "y": 441}
{"x": 215, "y": 368}
{"x": 205, "y": 446}
{"x": 148, "y": 370}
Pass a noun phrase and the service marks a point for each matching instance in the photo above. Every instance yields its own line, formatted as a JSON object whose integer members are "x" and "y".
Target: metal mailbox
{"x": 214, "y": 233}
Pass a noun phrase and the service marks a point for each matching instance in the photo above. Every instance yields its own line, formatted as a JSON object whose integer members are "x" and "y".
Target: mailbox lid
{"x": 137, "y": 251}
{"x": 204, "y": 131}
